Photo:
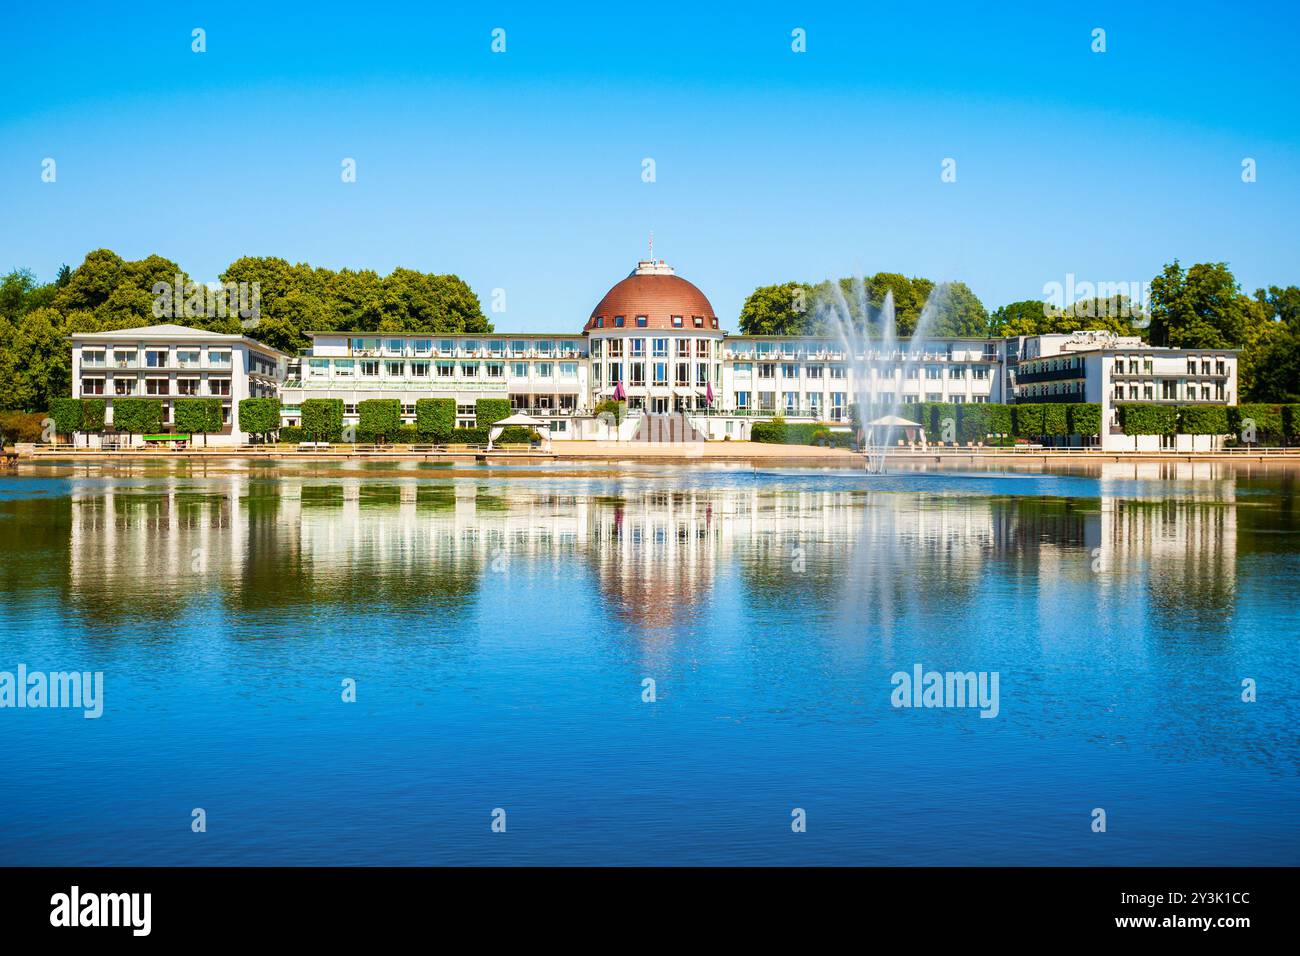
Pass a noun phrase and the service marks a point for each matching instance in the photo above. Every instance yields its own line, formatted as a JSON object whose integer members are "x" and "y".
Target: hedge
{"x": 292, "y": 434}
{"x": 780, "y": 432}
{"x": 975, "y": 423}
{"x": 435, "y": 418}
{"x": 1055, "y": 420}
{"x": 1203, "y": 420}
{"x": 1143, "y": 419}
{"x": 1085, "y": 418}
{"x": 999, "y": 419}
{"x": 197, "y": 416}
{"x": 259, "y": 416}
{"x": 67, "y": 415}
{"x": 380, "y": 418}
{"x": 322, "y": 419}
{"x": 1267, "y": 420}
{"x": 479, "y": 435}
{"x": 1028, "y": 420}
{"x": 1291, "y": 423}
{"x": 137, "y": 416}
{"x": 487, "y": 411}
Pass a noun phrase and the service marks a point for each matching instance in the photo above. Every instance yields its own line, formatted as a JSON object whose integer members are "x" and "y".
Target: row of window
{"x": 442, "y": 368}
{"x": 155, "y": 358}
{"x": 931, "y": 372}
{"x": 613, "y": 348}
{"x": 155, "y": 386}
{"x": 640, "y": 322}
{"x": 1169, "y": 390}
{"x": 464, "y": 347}
{"x": 659, "y": 373}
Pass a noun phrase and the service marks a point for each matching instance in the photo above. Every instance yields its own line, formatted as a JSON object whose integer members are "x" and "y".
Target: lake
{"x": 641, "y": 664}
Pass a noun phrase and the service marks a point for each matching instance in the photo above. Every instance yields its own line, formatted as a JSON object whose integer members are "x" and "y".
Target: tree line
{"x": 1202, "y": 306}
{"x": 106, "y": 293}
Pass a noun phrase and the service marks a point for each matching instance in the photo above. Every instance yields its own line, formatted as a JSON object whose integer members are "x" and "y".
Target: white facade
{"x": 167, "y": 362}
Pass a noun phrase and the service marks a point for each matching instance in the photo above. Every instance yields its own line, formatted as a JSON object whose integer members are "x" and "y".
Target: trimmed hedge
{"x": 67, "y": 415}
{"x": 1142, "y": 419}
{"x": 1203, "y": 420}
{"x": 479, "y": 436}
{"x": 380, "y": 419}
{"x": 93, "y": 412}
{"x": 197, "y": 416}
{"x": 1291, "y": 423}
{"x": 435, "y": 418}
{"x": 780, "y": 432}
{"x": 1028, "y": 420}
{"x": 975, "y": 423}
{"x": 322, "y": 419}
{"x": 1267, "y": 421}
{"x": 292, "y": 434}
{"x": 259, "y": 416}
{"x": 488, "y": 411}
{"x": 1085, "y": 418}
{"x": 137, "y": 416}
{"x": 1055, "y": 419}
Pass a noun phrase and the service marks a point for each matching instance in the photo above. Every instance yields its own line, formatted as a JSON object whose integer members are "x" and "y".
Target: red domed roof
{"x": 652, "y": 290}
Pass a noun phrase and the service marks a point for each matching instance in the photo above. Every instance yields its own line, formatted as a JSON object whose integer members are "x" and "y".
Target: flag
{"x": 619, "y": 394}
{"x": 708, "y": 392}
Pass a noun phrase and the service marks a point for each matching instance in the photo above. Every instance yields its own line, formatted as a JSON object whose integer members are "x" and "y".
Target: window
{"x": 661, "y": 373}
{"x": 187, "y": 386}
{"x": 620, "y": 321}
{"x": 408, "y": 409}
{"x": 545, "y": 369}
{"x": 813, "y": 371}
{"x": 933, "y": 371}
{"x": 545, "y": 346}
{"x": 641, "y": 322}
{"x": 660, "y": 348}
{"x": 187, "y": 358}
{"x": 92, "y": 386}
{"x": 742, "y": 400}
{"x": 767, "y": 370}
{"x": 369, "y": 368}
{"x": 569, "y": 371}
{"x": 419, "y": 369}
{"x": 957, "y": 371}
{"x": 636, "y": 375}
{"x": 123, "y": 358}
{"x": 123, "y": 386}
{"x": 496, "y": 369}
{"x": 469, "y": 369}
{"x": 637, "y": 347}
{"x": 497, "y": 348}
{"x": 683, "y": 373}
{"x": 1219, "y": 367}
{"x": 218, "y": 386}
{"x": 615, "y": 372}
{"x": 469, "y": 347}
{"x": 395, "y": 369}
{"x": 677, "y": 321}
{"x": 218, "y": 359}
{"x": 600, "y": 321}
{"x": 446, "y": 370}
{"x": 698, "y": 321}
{"x": 597, "y": 345}
{"x": 701, "y": 373}
{"x": 518, "y": 347}
{"x": 395, "y": 346}
{"x": 343, "y": 368}
{"x": 789, "y": 370}
{"x": 837, "y": 371}
{"x": 423, "y": 346}
{"x": 155, "y": 358}
{"x": 980, "y": 372}
{"x": 92, "y": 358}
{"x": 615, "y": 348}
{"x": 702, "y": 348}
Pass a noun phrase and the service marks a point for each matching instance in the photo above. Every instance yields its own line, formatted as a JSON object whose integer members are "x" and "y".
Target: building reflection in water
{"x": 655, "y": 555}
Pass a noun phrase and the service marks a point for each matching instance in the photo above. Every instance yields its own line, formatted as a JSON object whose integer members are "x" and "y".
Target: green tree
{"x": 1200, "y": 308}
{"x": 785, "y": 309}
{"x": 197, "y": 416}
{"x": 137, "y": 416}
{"x": 259, "y": 416}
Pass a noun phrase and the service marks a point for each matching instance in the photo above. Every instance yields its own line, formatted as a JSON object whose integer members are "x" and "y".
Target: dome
{"x": 653, "y": 290}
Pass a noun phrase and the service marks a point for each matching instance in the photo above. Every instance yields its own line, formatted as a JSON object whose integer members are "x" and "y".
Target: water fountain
{"x": 853, "y": 331}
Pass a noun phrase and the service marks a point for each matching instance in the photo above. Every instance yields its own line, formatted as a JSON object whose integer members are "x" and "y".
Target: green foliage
{"x": 975, "y": 422}
{"x": 1201, "y": 308}
{"x": 380, "y": 418}
{"x": 1291, "y": 423}
{"x": 781, "y": 432}
{"x": 999, "y": 419}
{"x": 1028, "y": 420}
{"x": 1034, "y": 317}
{"x": 1143, "y": 419}
{"x": 1203, "y": 420}
{"x": 137, "y": 416}
{"x": 784, "y": 309}
{"x": 93, "y": 412}
{"x": 610, "y": 406}
{"x": 479, "y": 435}
{"x": 197, "y": 416}
{"x": 259, "y": 416}
{"x": 291, "y": 434}
{"x": 1055, "y": 419}
{"x": 1266, "y": 420}
{"x": 66, "y": 413}
{"x": 435, "y": 418}
{"x": 490, "y": 410}
{"x": 322, "y": 419}
{"x": 1085, "y": 418}
{"x": 21, "y": 426}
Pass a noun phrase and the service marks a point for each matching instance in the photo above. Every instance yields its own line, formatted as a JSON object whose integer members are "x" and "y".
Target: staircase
{"x": 667, "y": 427}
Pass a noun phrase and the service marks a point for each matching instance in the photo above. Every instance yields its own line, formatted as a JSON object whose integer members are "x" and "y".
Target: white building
{"x": 167, "y": 362}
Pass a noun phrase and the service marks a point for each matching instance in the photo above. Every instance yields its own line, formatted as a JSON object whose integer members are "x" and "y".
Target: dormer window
{"x": 600, "y": 321}
{"x": 619, "y": 321}
{"x": 698, "y": 320}
{"x": 677, "y": 321}
{"x": 713, "y": 322}
{"x": 641, "y": 321}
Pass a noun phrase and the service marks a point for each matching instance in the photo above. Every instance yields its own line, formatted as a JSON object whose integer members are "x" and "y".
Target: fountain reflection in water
{"x": 851, "y": 321}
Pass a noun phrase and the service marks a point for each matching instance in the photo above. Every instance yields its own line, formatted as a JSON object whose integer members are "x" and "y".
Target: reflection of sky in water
{"x": 499, "y": 623}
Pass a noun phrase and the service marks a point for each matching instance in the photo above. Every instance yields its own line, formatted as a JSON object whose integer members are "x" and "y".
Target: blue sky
{"x": 522, "y": 170}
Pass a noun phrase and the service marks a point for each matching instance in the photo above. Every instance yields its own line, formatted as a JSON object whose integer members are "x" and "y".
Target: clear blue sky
{"x": 523, "y": 170}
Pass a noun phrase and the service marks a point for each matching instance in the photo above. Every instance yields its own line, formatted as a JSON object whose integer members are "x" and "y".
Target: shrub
{"x": 322, "y": 419}
{"x": 610, "y": 406}
{"x": 490, "y": 410}
{"x": 198, "y": 416}
{"x": 435, "y": 418}
{"x": 93, "y": 411}
{"x": 1203, "y": 420}
{"x": 380, "y": 418}
{"x": 1291, "y": 423}
{"x": 780, "y": 432}
{"x": 1267, "y": 421}
{"x": 1143, "y": 419}
{"x": 407, "y": 435}
{"x": 137, "y": 416}
{"x": 259, "y": 416}
{"x": 975, "y": 422}
{"x": 292, "y": 434}
{"x": 1027, "y": 421}
{"x": 67, "y": 415}
{"x": 22, "y": 426}
{"x": 479, "y": 436}
{"x": 1054, "y": 419}
{"x": 1085, "y": 418}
